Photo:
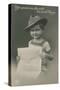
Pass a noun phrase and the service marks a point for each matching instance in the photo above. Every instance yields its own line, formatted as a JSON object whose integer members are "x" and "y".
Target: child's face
{"x": 36, "y": 31}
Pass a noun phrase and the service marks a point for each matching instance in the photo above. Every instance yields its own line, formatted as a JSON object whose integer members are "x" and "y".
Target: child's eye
{"x": 32, "y": 30}
{"x": 36, "y": 30}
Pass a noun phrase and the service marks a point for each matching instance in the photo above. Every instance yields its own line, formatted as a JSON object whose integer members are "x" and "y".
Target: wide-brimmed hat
{"x": 34, "y": 20}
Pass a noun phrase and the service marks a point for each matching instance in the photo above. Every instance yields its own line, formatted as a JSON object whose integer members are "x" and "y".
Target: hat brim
{"x": 41, "y": 21}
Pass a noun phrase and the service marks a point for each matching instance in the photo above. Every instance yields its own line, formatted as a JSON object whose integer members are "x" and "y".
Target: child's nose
{"x": 34, "y": 31}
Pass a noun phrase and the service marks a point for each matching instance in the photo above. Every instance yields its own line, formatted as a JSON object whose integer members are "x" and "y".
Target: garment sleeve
{"x": 46, "y": 47}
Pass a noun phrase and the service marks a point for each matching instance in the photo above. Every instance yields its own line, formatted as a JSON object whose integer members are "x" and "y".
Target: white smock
{"x": 29, "y": 65}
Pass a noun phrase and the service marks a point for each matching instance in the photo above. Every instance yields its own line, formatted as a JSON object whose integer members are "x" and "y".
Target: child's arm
{"x": 18, "y": 58}
{"x": 47, "y": 51}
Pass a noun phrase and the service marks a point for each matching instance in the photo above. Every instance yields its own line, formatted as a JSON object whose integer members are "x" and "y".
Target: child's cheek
{"x": 31, "y": 33}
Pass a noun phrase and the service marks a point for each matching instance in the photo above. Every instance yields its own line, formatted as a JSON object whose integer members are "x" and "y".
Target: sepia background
{"x": 20, "y": 38}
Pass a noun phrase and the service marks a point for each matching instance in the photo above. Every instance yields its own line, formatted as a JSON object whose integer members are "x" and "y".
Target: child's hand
{"x": 49, "y": 57}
